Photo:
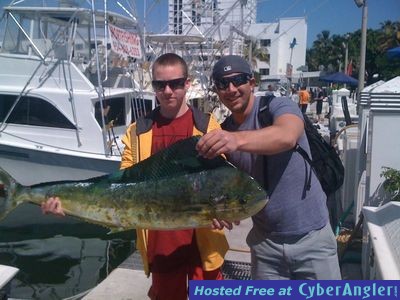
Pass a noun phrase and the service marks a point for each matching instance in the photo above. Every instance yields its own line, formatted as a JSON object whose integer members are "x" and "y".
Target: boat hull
{"x": 29, "y": 167}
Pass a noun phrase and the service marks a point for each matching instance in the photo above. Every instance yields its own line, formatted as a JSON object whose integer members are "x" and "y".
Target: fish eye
{"x": 242, "y": 201}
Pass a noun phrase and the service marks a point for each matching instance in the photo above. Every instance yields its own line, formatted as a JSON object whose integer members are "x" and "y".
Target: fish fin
{"x": 179, "y": 159}
{"x": 115, "y": 230}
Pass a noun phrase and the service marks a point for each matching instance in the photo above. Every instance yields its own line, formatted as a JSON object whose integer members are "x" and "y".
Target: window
{"x": 265, "y": 43}
{"x": 33, "y": 111}
{"x": 14, "y": 40}
{"x": 114, "y": 111}
{"x": 6, "y": 102}
{"x": 194, "y": 14}
{"x": 140, "y": 107}
{"x": 264, "y": 71}
{"x": 198, "y": 20}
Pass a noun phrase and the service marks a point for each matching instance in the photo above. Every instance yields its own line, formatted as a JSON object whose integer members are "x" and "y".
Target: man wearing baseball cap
{"x": 291, "y": 237}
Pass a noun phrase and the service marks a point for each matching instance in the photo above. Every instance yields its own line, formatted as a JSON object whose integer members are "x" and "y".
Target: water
{"x": 58, "y": 257}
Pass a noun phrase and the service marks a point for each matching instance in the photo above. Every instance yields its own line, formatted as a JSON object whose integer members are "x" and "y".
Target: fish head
{"x": 238, "y": 197}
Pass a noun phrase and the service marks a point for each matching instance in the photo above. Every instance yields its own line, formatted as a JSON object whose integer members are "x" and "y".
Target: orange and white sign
{"x": 124, "y": 42}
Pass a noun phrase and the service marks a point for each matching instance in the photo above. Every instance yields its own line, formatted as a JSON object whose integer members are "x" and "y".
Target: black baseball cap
{"x": 230, "y": 64}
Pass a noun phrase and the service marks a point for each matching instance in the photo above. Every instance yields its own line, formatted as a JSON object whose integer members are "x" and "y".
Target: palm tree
{"x": 322, "y": 54}
{"x": 323, "y": 39}
{"x": 257, "y": 53}
{"x": 390, "y": 35}
{"x": 327, "y": 49}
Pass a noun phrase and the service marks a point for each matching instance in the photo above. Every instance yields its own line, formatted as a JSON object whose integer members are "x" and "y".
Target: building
{"x": 285, "y": 42}
{"x": 214, "y": 20}
{"x": 210, "y": 17}
{"x": 227, "y": 26}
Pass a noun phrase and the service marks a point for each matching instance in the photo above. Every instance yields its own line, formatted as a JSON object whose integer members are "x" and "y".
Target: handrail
{"x": 341, "y": 131}
{"x": 99, "y": 89}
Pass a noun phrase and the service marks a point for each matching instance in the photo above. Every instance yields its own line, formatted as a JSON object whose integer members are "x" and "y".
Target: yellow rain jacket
{"x": 212, "y": 244}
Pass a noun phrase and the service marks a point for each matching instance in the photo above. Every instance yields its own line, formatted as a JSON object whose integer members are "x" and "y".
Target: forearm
{"x": 281, "y": 136}
{"x": 267, "y": 141}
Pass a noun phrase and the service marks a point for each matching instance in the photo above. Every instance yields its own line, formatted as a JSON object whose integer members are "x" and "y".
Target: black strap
{"x": 264, "y": 115}
{"x": 265, "y": 119}
{"x": 307, "y": 158}
{"x": 303, "y": 153}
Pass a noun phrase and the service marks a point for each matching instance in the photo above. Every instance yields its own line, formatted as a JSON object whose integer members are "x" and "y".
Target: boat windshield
{"x": 32, "y": 111}
{"x": 43, "y": 31}
{"x": 65, "y": 33}
{"x": 114, "y": 112}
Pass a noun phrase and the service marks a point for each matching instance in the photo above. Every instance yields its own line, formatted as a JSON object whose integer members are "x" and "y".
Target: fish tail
{"x": 10, "y": 187}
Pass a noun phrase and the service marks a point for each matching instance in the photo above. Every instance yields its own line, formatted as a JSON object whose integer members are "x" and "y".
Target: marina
{"x": 74, "y": 76}
{"x": 79, "y": 103}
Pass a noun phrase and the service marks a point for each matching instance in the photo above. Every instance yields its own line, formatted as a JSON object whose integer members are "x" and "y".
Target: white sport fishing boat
{"x": 71, "y": 81}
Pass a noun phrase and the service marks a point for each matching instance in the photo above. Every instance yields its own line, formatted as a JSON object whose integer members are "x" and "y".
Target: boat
{"x": 68, "y": 90}
{"x": 71, "y": 81}
{"x": 6, "y": 274}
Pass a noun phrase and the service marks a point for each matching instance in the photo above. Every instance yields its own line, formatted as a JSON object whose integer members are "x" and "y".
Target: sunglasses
{"x": 159, "y": 85}
{"x": 237, "y": 80}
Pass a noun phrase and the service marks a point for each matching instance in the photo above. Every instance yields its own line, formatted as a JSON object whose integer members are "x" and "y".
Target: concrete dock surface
{"x": 128, "y": 281}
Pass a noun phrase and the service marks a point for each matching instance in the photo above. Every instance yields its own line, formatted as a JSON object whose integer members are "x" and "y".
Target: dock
{"x": 128, "y": 281}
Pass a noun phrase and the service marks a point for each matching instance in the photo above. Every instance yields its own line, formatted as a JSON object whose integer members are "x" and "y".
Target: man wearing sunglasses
{"x": 173, "y": 257}
{"x": 291, "y": 237}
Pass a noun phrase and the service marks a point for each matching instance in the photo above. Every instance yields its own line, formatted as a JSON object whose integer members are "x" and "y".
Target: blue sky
{"x": 337, "y": 16}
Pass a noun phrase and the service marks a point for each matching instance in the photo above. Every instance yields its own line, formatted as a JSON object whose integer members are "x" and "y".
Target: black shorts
{"x": 319, "y": 107}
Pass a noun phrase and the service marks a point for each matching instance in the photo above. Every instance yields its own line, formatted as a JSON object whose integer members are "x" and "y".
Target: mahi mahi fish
{"x": 173, "y": 189}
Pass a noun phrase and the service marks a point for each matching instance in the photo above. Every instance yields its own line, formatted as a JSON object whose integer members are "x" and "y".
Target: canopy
{"x": 339, "y": 77}
{"x": 394, "y": 52}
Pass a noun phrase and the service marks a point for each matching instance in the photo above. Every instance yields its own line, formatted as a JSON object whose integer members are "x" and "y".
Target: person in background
{"x": 304, "y": 99}
{"x": 320, "y": 98}
{"x": 172, "y": 257}
{"x": 312, "y": 94}
{"x": 271, "y": 91}
{"x": 294, "y": 96}
{"x": 291, "y": 237}
{"x": 328, "y": 92}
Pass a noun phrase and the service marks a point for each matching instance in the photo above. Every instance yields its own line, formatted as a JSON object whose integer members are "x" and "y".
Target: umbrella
{"x": 339, "y": 77}
{"x": 393, "y": 53}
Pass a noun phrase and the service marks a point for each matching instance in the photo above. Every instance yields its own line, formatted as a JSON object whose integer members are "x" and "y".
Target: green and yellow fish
{"x": 173, "y": 189}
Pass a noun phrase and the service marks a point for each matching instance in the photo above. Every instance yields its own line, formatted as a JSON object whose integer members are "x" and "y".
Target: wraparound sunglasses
{"x": 159, "y": 85}
{"x": 236, "y": 80}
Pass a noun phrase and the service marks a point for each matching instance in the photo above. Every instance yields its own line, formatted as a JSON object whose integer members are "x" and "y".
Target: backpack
{"x": 325, "y": 161}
